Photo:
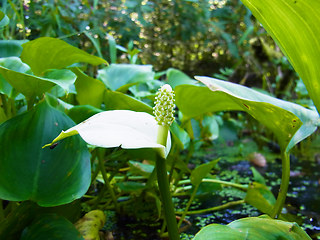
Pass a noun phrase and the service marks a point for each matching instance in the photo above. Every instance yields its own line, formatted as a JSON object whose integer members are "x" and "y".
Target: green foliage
{"x": 301, "y": 49}
{"x": 51, "y": 227}
{"x": 253, "y": 228}
{"x": 37, "y": 174}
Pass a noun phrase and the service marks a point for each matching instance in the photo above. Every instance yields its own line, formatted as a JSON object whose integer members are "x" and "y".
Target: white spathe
{"x": 124, "y": 128}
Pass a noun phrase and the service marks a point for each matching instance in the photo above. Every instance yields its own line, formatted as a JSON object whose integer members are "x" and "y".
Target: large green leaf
{"x": 124, "y": 128}
{"x": 201, "y": 172}
{"x": 175, "y": 77}
{"x": 114, "y": 100}
{"x": 15, "y": 72}
{"x": 121, "y": 76}
{"x": 49, "y": 177}
{"x": 294, "y": 25}
{"x": 89, "y": 90}
{"x": 283, "y": 118}
{"x": 50, "y": 53}
{"x": 253, "y": 228}
{"x": 10, "y": 48}
{"x": 51, "y": 227}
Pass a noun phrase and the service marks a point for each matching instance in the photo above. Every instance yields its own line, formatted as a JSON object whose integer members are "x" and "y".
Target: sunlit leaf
{"x": 29, "y": 85}
{"x": 253, "y": 228}
{"x": 90, "y": 224}
{"x": 29, "y": 172}
{"x": 175, "y": 77}
{"x": 89, "y": 90}
{"x": 50, "y": 53}
{"x": 201, "y": 172}
{"x": 121, "y": 76}
{"x": 124, "y": 128}
{"x": 283, "y": 118}
{"x": 294, "y": 25}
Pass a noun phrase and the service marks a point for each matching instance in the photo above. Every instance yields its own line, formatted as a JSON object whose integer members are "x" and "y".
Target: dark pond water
{"x": 303, "y": 198}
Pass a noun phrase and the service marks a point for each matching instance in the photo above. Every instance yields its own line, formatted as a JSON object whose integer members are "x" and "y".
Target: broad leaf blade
{"x": 201, "y": 172}
{"x": 281, "y": 117}
{"x": 51, "y": 227}
{"x": 294, "y": 25}
{"x": 50, "y": 53}
{"x": 31, "y": 86}
{"x": 89, "y": 90}
{"x": 121, "y": 76}
{"x": 29, "y": 172}
{"x": 9, "y": 48}
{"x": 253, "y": 228}
{"x": 4, "y": 20}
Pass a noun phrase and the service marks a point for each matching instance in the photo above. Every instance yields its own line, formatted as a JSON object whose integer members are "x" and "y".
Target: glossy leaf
{"x": 294, "y": 25}
{"x": 253, "y": 228}
{"x": 47, "y": 53}
{"x": 10, "y": 48}
{"x": 90, "y": 91}
{"x": 29, "y": 172}
{"x": 51, "y": 227}
{"x": 122, "y": 76}
{"x": 283, "y": 118}
{"x": 29, "y": 85}
{"x": 124, "y": 128}
{"x": 90, "y": 224}
{"x": 82, "y": 112}
{"x": 175, "y": 77}
{"x": 201, "y": 172}
{"x": 259, "y": 196}
{"x": 114, "y": 100}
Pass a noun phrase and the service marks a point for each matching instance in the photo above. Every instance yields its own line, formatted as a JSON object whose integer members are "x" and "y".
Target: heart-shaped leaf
{"x": 124, "y": 128}
{"x": 283, "y": 118}
{"x": 253, "y": 228}
{"x": 29, "y": 172}
{"x": 47, "y": 53}
{"x": 294, "y": 25}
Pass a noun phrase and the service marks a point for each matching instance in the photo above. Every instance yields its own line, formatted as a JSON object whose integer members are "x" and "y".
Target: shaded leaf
{"x": 114, "y": 100}
{"x": 175, "y": 77}
{"x": 283, "y": 19}
{"x": 10, "y": 48}
{"x": 51, "y": 227}
{"x": 4, "y": 20}
{"x": 29, "y": 172}
{"x": 82, "y": 112}
{"x": 47, "y": 53}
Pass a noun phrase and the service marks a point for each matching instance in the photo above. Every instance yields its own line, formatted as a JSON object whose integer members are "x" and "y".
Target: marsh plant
{"x": 73, "y": 143}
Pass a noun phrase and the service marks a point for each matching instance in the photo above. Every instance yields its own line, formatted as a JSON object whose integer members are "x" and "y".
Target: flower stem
{"x": 164, "y": 188}
{"x": 283, "y": 187}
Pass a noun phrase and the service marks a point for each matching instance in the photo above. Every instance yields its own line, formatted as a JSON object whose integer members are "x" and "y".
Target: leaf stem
{"x": 217, "y": 208}
{"x": 284, "y": 185}
{"x": 164, "y": 188}
{"x": 224, "y": 183}
{"x": 188, "y": 205}
{"x": 105, "y": 178}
